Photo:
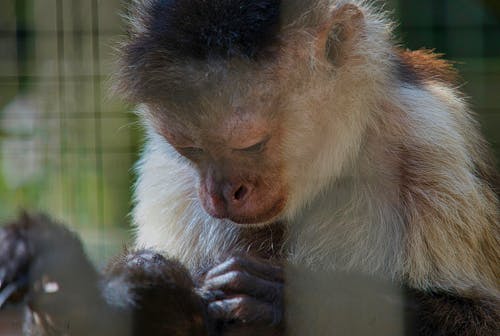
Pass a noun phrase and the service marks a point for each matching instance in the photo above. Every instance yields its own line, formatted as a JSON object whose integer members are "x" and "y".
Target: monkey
{"x": 300, "y": 131}
{"x": 285, "y": 135}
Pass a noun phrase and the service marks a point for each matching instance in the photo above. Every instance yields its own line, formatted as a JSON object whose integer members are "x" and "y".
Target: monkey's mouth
{"x": 262, "y": 218}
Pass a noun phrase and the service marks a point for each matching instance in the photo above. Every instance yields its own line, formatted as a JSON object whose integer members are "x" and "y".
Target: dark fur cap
{"x": 205, "y": 28}
{"x": 166, "y": 34}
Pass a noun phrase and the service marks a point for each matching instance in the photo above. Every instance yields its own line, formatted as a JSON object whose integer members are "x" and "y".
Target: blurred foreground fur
{"x": 140, "y": 293}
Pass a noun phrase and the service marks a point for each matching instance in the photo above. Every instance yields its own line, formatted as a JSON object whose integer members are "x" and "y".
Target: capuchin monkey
{"x": 295, "y": 140}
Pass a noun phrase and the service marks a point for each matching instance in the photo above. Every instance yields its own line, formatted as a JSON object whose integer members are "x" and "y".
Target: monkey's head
{"x": 242, "y": 90}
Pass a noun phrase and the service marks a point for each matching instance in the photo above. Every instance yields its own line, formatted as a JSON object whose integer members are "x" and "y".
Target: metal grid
{"x": 66, "y": 145}
{"x": 468, "y": 33}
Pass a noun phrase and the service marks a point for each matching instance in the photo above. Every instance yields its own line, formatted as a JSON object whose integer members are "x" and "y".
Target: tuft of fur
{"x": 159, "y": 292}
{"x": 422, "y": 65}
{"x": 200, "y": 29}
{"x": 166, "y": 33}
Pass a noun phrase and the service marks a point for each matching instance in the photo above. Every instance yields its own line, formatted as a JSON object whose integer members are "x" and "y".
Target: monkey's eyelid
{"x": 191, "y": 150}
{"x": 258, "y": 147}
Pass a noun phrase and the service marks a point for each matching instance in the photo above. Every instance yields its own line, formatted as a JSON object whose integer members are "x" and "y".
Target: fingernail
{"x": 218, "y": 294}
{"x": 211, "y": 295}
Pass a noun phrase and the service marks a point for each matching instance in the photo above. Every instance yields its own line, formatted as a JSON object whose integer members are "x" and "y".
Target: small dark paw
{"x": 146, "y": 266}
{"x": 163, "y": 295}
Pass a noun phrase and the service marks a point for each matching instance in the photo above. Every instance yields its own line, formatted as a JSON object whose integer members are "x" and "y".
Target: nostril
{"x": 240, "y": 193}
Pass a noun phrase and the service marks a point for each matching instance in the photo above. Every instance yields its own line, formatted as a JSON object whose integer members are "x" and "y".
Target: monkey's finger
{"x": 244, "y": 309}
{"x": 238, "y": 282}
{"x": 211, "y": 295}
{"x": 253, "y": 266}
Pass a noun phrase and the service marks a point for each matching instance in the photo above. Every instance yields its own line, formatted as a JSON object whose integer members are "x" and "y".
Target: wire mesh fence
{"x": 467, "y": 32}
{"x": 67, "y": 146}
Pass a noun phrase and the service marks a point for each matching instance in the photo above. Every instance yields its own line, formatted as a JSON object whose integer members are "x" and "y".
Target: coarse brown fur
{"x": 456, "y": 314}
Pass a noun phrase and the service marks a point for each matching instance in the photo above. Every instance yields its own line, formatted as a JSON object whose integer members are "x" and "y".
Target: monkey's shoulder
{"x": 425, "y": 65}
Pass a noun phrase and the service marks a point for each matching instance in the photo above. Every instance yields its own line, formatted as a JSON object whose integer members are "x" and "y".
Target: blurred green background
{"x": 68, "y": 147}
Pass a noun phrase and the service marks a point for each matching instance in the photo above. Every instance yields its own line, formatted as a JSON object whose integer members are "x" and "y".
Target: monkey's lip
{"x": 263, "y": 218}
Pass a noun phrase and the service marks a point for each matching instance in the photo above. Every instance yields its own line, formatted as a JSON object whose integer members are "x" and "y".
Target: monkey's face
{"x": 249, "y": 98}
{"x": 238, "y": 164}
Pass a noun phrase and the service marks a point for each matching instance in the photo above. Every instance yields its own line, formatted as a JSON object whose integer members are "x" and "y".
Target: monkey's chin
{"x": 255, "y": 225}
{"x": 273, "y": 215}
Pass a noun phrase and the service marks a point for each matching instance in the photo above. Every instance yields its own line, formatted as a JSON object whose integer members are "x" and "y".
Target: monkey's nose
{"x": 236, "y": 195}
{"x": 240, "y": 193}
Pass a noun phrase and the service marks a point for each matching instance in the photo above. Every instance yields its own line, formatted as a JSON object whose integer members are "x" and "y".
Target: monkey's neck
{"x": 265, "y": 242}
{"x": 355, "y": 223}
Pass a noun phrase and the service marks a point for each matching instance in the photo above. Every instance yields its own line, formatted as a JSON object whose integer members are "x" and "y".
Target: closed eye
{"x": 191, "y": 151}
{"x": 257, "y": 148}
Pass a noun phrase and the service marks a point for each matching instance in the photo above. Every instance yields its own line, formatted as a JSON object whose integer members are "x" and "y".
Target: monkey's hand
{"x": 246, "y": 296}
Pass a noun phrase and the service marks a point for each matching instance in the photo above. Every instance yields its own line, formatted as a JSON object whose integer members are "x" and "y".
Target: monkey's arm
{"x": 448, "y": 314}
{"x": 351, "y": 304}
{"x": 141, "y": 292}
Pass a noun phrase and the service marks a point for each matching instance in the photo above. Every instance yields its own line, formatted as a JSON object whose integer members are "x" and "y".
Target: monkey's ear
{"x": 337, "y": 36}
